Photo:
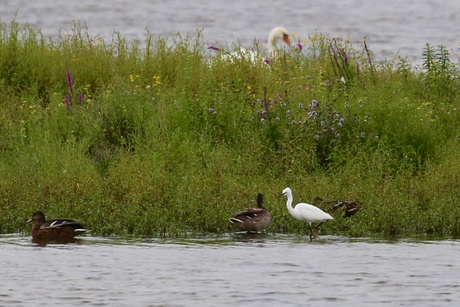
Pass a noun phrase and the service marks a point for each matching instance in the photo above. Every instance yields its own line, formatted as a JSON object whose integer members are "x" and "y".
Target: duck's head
{"x": 37, "y": 217}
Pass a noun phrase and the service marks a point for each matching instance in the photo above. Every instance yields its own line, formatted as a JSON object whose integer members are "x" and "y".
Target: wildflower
{"x": 69, "y": 81}
{"x": 299, "y": 46}
{"x": 80, "y": 98}
{"x": 323, "y": 123}
{"x": 212, "y": 111}
{"x": 317, "y": 137}
{"x": 157, "y": 80}
{"x": 288, "y": 113}
{"x": 363, "y": 134}
{"x": 267, "y": 61}
{"x": 300, "y": 106}
{"x": 341, "y": 121}
{"x": 312, "y": 114}
{"x": 344, "y": 56}
{"x": 215, "y": 48}
{"x": 361, "y": 103}
{"x": 262, "y": 120}
{"x": 67, "y": 102}
{"x": 313, "y": 104}
{"x": 278, "y": 119}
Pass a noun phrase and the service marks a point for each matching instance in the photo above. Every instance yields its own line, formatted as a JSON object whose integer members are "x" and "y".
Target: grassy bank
{"x": 170, "y": 139}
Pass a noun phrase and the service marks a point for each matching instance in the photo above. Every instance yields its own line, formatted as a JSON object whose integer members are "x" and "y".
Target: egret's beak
{"x": 282, "y": 194}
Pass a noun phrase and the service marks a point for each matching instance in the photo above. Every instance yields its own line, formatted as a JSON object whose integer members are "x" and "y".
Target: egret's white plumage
{"x": 276, "y": 36}
{"x": 306, "y": 212}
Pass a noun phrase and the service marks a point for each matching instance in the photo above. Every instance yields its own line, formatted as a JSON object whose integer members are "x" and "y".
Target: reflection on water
{"x": 241, "y": 269}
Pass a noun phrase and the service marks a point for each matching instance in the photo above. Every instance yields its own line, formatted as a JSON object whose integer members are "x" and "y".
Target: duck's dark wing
{"x": 250, "y": 213}
{"x": 58, "y": 223}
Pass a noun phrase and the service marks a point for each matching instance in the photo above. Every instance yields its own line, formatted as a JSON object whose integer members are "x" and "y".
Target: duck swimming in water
{"x": 57, "y": 230}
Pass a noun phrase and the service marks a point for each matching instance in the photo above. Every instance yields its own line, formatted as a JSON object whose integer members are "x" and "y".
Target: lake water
{"x": 230, "y": 270}
{"x": 392, "y": 26}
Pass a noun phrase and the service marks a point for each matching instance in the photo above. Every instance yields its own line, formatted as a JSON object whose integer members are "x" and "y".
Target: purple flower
{"x": 312, "y": 114}
{"x": 267, "y": 61}
{"x": 69, "y": 81}
{"x": 299, "y": 46}
{"x": 344, "y": 56}
{"x": 313, "y": 104}
{"x": 215, "y": 48}
{"x": 67, "y": 102}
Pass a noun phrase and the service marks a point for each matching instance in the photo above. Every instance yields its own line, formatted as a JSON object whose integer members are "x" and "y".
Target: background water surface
{"x": 392, "y": 26}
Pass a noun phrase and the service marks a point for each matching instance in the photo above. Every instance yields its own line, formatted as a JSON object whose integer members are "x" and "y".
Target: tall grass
{"x": 170, "y": 139}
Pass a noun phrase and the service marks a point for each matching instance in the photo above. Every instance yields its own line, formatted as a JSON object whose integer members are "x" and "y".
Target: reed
{"x": 168, "y": 139}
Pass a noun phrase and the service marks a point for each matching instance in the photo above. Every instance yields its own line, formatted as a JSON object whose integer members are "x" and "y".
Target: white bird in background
{"x": 306, "y": 212}
{"x": 277, "y": 35}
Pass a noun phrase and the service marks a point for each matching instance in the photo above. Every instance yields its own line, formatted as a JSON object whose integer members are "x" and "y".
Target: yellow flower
{"x": 157, "y": 80}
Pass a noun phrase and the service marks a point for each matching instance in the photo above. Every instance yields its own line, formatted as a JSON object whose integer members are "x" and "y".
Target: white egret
{"x": 252, "y": 219}
{"x": 306, "y": 212}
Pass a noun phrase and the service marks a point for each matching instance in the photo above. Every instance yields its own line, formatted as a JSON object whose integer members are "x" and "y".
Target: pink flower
{"x": 215, "y": 48}
{"x": 69, "y": 81}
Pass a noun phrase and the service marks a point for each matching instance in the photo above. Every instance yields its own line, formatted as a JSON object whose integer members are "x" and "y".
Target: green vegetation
{"x": 169, "y": 139}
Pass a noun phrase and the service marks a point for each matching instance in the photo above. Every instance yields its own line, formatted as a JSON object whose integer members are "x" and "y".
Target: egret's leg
{"x": 315, "y": 230}
{"x": 311, "y": 233}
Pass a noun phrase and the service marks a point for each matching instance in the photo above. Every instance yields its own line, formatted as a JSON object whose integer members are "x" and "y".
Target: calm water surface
{"x": 234, "y": 269}
{"x": 392, "y": 26}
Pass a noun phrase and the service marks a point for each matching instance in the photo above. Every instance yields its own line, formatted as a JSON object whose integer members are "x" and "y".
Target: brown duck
{"x": 57, "y": 230}
{"x": 350, "y": 207}
{"x": 252, "y": 219}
